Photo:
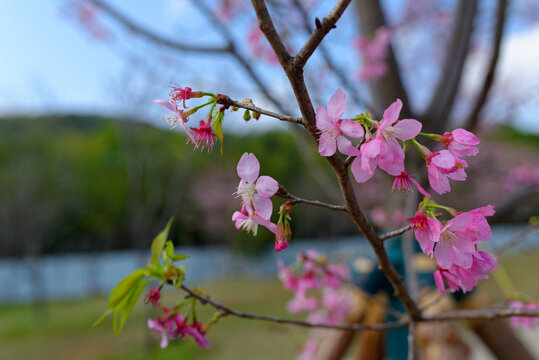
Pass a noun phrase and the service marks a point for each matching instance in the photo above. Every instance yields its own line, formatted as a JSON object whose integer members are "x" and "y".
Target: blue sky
{"x": 49, "y": 65}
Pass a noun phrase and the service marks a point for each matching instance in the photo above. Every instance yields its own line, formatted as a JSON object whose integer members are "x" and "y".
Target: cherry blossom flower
{"x": 177, "y": 117}
{"x": 465, "y": 279}
{"x": 384, "y": 150}
{"x": 204, "y": 134}
{"x": 154, "y": 296}
{"x": 255, "y": 191}
{"x": 460, "y": 142}
{"x": 301, "y": 302}
{"x": 441, "y": 166}
{"x": 427, "y": 231}
{"x": 458, "y": 238}
{"x": 333, "y": 128}
{"x": 402, "y": 183}
{"x": 196, "y": 332}
{"x": 281, "y": 237}
{"x": 248, "y": 220}
{"x": 526, "y": 321}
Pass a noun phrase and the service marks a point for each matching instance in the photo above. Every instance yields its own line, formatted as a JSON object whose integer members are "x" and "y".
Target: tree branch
{"x": 438, "y": 111}
{"x": 517, "y": 239}
{"x": 283, "y": 193}
{"x": 204, "y": 299}
{"x": 148, "y": 34}
{"x": 227, "y": 102}
{"x": 481, "y": 314}
{"x": 473, "y": 118}
{"x": 394, "y": 233}
{"x": 295, "y": 76}
{"x": 319, "y": 33}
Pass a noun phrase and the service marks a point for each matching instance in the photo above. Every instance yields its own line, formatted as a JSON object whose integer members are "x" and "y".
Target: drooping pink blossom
{"x": 383, "y": 149}
{"x": 525, "y": 321}
{"x": 204, "y": 135}
{"x": 287, "y": 276}
{"x": 459, "y": 236}
{"x": 196, "y": 332}
{"x": 177, "y": 117}
{"x": 427, "y": 231}
{"x": 374, "y": 53}
{"x": 402, "y": 183}
{"x": 465, "y": 279}
{"x": 154, "y": 296}
{"x": 460, "y": 142}
{"x": 160, "y": 329}
{"x": 441, "y": 166}
{"x": 281, "y": 238}
{"x": 255, "y": 191}
{"x": 301, "y": 302}
{"x": 248, "y": 220}
{"x": 333, "y": 128}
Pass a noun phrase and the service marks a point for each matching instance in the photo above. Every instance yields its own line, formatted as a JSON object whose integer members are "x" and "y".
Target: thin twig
{"x": 394, "y": 233}
{"x": 283, "y": 193}
{"x": 148, "y": 34}
{"x": 517, "y": 239}
{"x": 319, "y": 33}
{"x": 229, "y": 311}
{"x": 227, "y": 102}
{"x": 473, "y": 118}
{"x": 481, "y": 314}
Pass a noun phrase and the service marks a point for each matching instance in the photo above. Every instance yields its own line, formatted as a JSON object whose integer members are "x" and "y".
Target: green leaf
{"x": 102, "y": 317}
{"x": 217, "y": 125}
{"x": 124, "y": 287}
{"x": 126, "y": 307}
{"x": 159, "y": 242}
{"x": 179, "y": 257}
{"x": 169, "y": 249}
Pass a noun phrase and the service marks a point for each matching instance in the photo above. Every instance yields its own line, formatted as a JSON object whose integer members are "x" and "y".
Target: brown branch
{"x": 344, "y": 78}
{"x": 295, "y": 76}
{"x": 227, "y": 102}
{"x": 480, "y": 314}
{"x": 283, "y": 193}
{"x": 319, "y": 33}
{"x": 204, "y": 299}
{"x": 394, "y": 233}
{"x": 148, "y": 34}
{"x": 473, "y": 118}
{"x": 442, "y": 101}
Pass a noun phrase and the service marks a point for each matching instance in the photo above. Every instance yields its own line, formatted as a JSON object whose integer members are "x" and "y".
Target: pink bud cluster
{"x": 317, "y": 286}
{"x": 453, "y": 244}
{"x": 172, "y": 325}
{"x": 524, "y": 321}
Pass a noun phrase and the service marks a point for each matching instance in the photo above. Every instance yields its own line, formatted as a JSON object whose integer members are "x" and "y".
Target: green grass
{"x": 62, "y": 330}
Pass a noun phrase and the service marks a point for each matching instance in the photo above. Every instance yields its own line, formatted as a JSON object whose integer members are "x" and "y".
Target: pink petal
{"x": 407, "y": 129}
{"x": 248, "y": 167}
{"x": 439, "y": 281}
{"x": 438, "y": 181}
{"x": 420, "y": 188}
{"x": 337, "y": 105}
{"x": 266, "y": 186}
{"x": 164, "y": 103}
{"x": 360, "y": 174}
{"x": 182, "y": 124}
{"x": 391, "y": 158}
{"x": 322, "y": 118}
{"x": 444, "y": 160}
{"x": 465, "y": 137}
{"x": 391, "y": 114}
{"x": 266, "y": 223}
{"x": 263, "y": 206}
{"x": 326, "y": 144}
{"x": 372, "y": 147}
{"x": 345, "y": 146}
{"x": 458, "y": 175}
{"x": 352, "y": 128}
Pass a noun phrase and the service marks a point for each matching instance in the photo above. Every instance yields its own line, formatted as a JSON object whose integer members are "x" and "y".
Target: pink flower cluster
{"x": 526, "y": 175}
{"x": 525, "y": 321}
{"x": 174, "y": 326}
{"x": 317, "y": 287}
{"x": 204, "y": 134}
{"x": 255, "y": 192}
{"x": 454, "y": 246}
{"x": 375, "y": 52}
